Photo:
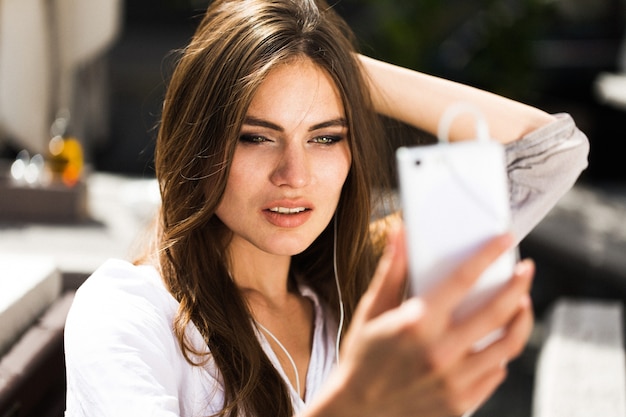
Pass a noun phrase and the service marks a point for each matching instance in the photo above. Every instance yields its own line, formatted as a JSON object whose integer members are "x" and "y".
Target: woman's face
{"x": 290, "y": 164}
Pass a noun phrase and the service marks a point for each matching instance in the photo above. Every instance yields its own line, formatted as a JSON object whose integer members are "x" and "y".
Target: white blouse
{"x": 122, "y": 358}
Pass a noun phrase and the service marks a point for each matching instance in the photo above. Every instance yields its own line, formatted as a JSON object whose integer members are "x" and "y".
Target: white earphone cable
{"x": 284, "y": 349}
{"x": 341, "y": 310}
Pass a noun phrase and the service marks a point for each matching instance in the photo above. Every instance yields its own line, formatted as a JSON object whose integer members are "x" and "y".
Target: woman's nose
{"x": 293, "y": 167}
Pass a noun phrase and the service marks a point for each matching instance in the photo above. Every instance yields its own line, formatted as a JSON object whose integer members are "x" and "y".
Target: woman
{"x": 264, "y": 261}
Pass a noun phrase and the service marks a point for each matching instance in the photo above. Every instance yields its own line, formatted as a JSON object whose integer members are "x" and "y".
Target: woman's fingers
{"x": 403, "y": 351}
{"x": 474, "y": 378}
{"x": 446, "y": 296}
{"x": 385, "y": 291}
{"x": 389, "y": 281}
{"x": 496, "y": 314}
{"x": 478, "y": 366}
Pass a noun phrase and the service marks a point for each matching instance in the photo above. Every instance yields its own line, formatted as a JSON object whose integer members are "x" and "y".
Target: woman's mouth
{"x": 287, "y": 210}
{"x": 287, "y": 217}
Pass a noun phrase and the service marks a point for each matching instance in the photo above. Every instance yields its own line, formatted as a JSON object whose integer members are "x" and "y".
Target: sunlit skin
{"x": 285, "y": 181}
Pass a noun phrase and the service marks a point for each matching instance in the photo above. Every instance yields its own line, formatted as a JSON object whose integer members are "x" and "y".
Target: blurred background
{"x": 94, "y": 72}
{"x": 556, "y": 54}
{"x": 550, "y": 53}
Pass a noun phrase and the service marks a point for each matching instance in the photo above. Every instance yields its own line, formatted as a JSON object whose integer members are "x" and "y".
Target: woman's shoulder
{"x": 120, "y": 297}
{"x": 119, "y": 273}
{"x": 120, "y": 346}
{"x": 117, "y": 281}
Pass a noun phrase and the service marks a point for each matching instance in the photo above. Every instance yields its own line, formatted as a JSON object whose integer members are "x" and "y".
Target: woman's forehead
{"x": 298, "y": 89}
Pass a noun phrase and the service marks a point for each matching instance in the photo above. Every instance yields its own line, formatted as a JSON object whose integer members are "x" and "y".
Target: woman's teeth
{"x": 285, "y": 210}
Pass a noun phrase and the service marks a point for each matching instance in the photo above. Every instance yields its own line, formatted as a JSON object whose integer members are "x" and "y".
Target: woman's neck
{"x": 260, "y": 273}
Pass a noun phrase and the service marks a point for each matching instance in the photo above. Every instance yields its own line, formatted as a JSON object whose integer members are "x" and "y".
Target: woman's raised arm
{"x": 419, "y": 100}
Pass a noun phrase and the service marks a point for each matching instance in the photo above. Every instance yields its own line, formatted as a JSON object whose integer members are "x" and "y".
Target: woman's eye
{"x": 252, "y": 139}
{"x": 327, "y": 140}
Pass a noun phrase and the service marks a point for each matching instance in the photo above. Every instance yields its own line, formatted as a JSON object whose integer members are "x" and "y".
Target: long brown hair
{"x": 235, "y": 46}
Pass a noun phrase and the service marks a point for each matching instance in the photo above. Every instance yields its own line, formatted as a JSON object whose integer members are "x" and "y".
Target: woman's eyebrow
{"x": 339, "y": 122}
{"x": 254, "y": 121}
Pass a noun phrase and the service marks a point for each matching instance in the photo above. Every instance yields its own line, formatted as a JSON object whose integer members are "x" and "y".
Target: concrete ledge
{"x": 581, "y": 368}
{"x": 29, "y": 285}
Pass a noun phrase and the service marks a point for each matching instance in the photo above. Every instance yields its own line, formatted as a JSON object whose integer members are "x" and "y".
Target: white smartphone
{"x": 454, "y": 198}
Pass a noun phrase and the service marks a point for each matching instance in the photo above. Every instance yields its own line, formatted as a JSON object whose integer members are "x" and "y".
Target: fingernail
{"x": 522, "y": 267}
{"x": 414, "y": 307}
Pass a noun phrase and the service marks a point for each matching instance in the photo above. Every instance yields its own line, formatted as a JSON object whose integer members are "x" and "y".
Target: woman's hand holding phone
{"x": 407, "y": 358}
